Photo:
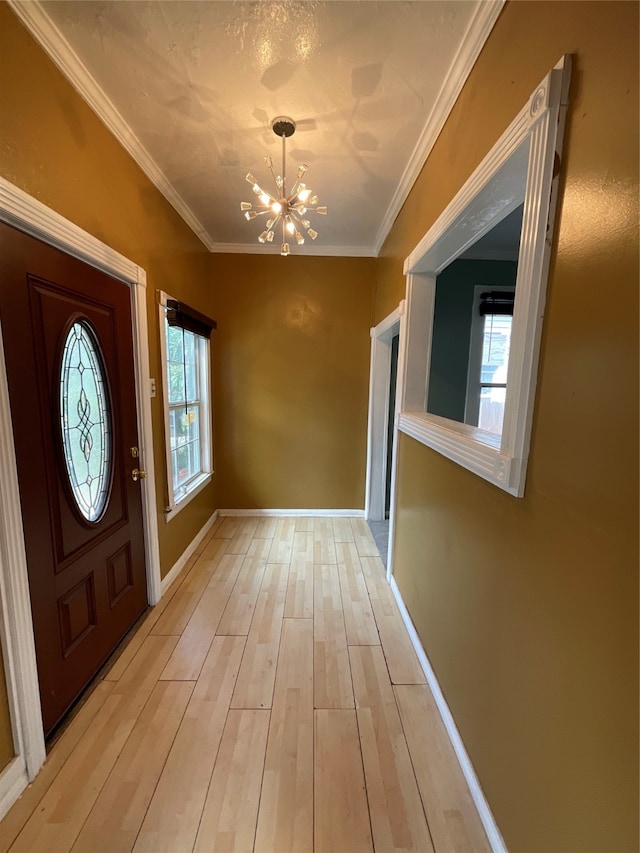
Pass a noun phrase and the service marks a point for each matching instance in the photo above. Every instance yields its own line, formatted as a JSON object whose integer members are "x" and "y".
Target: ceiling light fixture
{"x": 288, "y": 209}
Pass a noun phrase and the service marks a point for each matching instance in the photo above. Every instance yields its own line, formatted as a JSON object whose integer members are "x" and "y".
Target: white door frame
{"x": 20, "y": 210}
{"x": 377, "y": 429}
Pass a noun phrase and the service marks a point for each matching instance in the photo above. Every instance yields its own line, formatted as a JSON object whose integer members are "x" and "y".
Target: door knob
{"x": 136, "y": 475}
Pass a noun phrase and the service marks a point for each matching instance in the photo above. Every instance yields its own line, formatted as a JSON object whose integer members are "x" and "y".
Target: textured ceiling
{"x": 196, "y": 86}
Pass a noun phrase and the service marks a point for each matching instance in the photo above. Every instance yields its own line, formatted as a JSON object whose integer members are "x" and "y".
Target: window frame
{"x": 177, "y": 499}
{"x": 536, "y": 133}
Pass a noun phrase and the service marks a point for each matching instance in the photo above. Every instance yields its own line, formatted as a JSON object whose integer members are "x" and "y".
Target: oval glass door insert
{"x": 85, "y": 420}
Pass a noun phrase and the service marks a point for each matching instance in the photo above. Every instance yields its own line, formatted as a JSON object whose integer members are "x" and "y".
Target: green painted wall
{"x": 452, "y": 327}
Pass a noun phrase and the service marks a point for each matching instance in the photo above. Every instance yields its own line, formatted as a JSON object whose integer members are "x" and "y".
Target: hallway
{"x": 272, "y": 701}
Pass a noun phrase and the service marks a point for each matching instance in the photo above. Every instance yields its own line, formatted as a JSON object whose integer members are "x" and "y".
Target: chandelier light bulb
{"x": 288, "y": 203}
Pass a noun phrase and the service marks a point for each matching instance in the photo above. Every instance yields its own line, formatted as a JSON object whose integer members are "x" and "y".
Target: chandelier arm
{"x": 273, "y": 174}
{"x": 296, "y": 216}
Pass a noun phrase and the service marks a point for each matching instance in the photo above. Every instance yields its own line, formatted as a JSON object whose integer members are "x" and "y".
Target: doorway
{"x": 384, "y": 391}
{"x": 31, "y": 217}
{"x": 69, "y": 362}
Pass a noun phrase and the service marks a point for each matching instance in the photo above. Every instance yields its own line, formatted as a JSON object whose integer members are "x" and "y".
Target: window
{"x": 489, "y": 357}
{"x": 489, "y": 432}
{"x": 185, "y": 362}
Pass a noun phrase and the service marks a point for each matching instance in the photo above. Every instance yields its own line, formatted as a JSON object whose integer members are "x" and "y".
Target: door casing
{"x": 379, "y": 383}
{"x": 25, "y": 213}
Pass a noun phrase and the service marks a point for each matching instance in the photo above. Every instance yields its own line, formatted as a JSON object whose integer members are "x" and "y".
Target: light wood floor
{"x": 271, "y": 702}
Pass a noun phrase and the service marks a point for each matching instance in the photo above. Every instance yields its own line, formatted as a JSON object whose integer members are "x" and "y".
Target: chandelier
{"x": 286, "y": 209}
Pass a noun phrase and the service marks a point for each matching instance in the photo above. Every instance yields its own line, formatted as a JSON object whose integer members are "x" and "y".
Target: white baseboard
{"x": 179, "y": 565}
{"x": 490, "y": 826}
{"x": 315, "y": 513}
{"x": 13, "y": 781}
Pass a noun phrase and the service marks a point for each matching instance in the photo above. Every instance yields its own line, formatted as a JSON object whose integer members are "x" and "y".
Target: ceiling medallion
{"x": 289, "y": 208}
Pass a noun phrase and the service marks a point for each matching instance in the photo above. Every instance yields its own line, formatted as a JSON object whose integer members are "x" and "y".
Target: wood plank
{"x": 266, "y": 527}
{"x": 214, "y": 548}
{"x": 303, "y": 545}
{"x": 243, "y": 536}
{"x": 227, "y": 568}
{"x": 171, "y": 823}
{"x": 115, "y": 819}
{"x": 342, "y": 530}
{"x": 176, "y": 616}
{"x": 228, "y": 528}
{"x": 304, "y": 524}
{"x": 358, "y": 616}
{"x": 285, "y": 819}
{"x": 331, "y": 673}
{"x": 23, "y": 808}
{"x": 397, "y": 817}
{"x": 259, "y": 548}
{"x": 451, "y": 813}
{"x": 324, "y": 548}
{"x": 282, "y": 543}
{"x": 230, "y": 813}
{"x": 193, "y": 646}
{"x": 238, "y": 613}
{"x": 341, "y": 814}
{"x": 363, "y": 537}
{"x": 299, "y": 600}
{"x": 254, "y": 688}
{"x": 403, "y": 663}
{"x": 69, "y": 799}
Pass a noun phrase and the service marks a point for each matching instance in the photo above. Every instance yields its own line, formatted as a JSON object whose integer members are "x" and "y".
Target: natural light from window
{"x": 493, "y": 372}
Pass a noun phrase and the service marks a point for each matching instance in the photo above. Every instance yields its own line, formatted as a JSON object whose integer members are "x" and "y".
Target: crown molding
{"x": 308, "y": 251}
{"x": 49, "y": 37}
{"x": 481, "y": 24}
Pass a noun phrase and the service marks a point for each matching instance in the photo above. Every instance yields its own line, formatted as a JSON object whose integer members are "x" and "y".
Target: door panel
{"x": 87, "y": 579}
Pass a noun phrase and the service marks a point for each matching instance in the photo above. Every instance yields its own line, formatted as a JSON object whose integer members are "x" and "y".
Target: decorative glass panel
{"x": 85, "y": 421}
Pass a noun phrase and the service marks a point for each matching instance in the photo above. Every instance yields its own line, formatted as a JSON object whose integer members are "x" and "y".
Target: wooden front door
{"x": 69, "y": 356}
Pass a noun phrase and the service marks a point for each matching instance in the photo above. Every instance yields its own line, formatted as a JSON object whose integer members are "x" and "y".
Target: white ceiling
{"x": 191, "y": 89}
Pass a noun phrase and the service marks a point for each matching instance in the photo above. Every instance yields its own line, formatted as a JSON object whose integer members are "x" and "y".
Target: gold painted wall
{"x": 528, "y": 609}
{"x": 291, "y": 380}
{"x": 55, "y": 148}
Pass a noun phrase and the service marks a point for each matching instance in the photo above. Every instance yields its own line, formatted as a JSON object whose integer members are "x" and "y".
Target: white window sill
{"x": 474, "y": 449}
{"x": 196, "y": 487}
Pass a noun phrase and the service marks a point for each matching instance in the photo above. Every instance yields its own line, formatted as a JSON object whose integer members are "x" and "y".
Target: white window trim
{"x": 541, "y": 121}
{"x": 198, "y": 484}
